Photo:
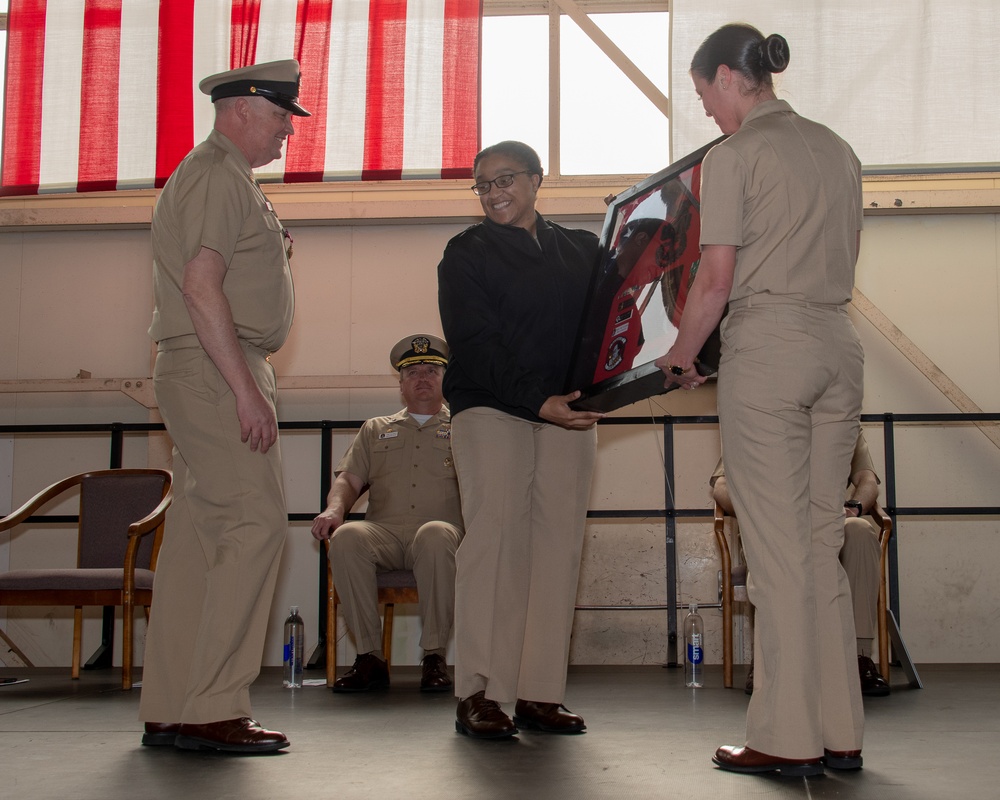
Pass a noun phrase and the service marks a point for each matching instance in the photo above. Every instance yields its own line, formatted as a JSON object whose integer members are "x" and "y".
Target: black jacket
{"x": 511, "y": 311}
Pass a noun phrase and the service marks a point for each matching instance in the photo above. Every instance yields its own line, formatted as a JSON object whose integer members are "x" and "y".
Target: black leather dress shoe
{"x": 842, "y": 759}
{"x": 241, "y": 735}
{"x": 367, "y": 674}
{"x": 547, "y": 717}
{"x": 872, "y": 682}
{"x": 158, "y": 734}
{"x": 483, "y": 719}
{"x": 434, "y": 677}
{"x": 745, "y": 760}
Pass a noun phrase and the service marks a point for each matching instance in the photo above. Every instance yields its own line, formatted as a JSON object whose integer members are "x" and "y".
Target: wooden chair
{"x": 115, "y": 555}
{"x": 734, "y": 589}
{"x": 395, "y": 586}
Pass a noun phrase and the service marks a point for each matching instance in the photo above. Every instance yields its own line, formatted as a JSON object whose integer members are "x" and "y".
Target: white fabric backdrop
{"x": 906, "y": 82}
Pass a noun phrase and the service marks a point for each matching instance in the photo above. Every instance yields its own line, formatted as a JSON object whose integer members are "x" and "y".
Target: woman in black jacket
{"x": 511, "y": 294}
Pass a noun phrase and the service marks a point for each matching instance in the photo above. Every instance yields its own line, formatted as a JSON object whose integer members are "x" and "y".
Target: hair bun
{"x": 774, "y": 53}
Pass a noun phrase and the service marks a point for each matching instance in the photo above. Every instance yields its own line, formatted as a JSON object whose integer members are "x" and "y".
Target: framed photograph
{"x": 648, "y": 259}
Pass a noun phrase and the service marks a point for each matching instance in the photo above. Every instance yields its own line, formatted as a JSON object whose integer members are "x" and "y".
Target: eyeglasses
{"x": 501, "y": 182}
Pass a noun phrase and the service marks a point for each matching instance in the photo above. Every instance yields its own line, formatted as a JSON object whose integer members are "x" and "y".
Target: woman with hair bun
{"x": 780, "y": 231}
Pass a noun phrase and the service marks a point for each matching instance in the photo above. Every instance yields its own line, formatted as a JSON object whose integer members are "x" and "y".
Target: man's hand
{"x": 347, "y": 488}
{"x": 557, "y": 411}
{"x": 258, "y": 425}
{"x": 325, "y": 524}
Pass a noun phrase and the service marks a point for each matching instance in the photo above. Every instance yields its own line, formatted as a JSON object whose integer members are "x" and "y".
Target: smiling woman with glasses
{"x": 511, "y": 295}
{"x": 501, "y": 182}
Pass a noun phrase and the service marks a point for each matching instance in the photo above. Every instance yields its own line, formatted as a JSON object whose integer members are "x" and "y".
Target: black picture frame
{"x": 648, "y": 258}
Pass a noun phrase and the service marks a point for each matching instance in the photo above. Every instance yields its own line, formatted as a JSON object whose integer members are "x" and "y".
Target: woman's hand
{"x": 557, "y": 411}
{"x": 679, "y": 369}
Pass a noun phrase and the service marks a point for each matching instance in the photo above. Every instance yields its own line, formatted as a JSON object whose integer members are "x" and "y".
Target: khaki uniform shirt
{"x": 213, "y": 201}
{"x": 408, "y": 468}
{"x": 786, "y": 192}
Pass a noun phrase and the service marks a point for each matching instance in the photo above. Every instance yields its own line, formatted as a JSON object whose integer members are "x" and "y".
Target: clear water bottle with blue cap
{"x": 694, "y": 648}
{"x": 294, "y": 649}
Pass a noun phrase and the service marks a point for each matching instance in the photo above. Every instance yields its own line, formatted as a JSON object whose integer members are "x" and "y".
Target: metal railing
{"x": 669, "y": 511}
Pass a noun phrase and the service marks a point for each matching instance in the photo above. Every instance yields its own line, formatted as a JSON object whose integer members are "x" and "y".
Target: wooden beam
{"x": 927, "y": 368}
{"x": 141, "y": 389}
{"x": 612, "y": 51}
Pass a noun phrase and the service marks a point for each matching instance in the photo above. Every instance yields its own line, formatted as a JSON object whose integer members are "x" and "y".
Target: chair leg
{"x": 883, "y": 634}
{"x": 727, "y": 634}
{"x": 77, "y": 640}
{"x": 387, "y": 635}
{"x": 15, "y": 649}
{"x": 128, "y": 612}
{"x": 331, "y": 638}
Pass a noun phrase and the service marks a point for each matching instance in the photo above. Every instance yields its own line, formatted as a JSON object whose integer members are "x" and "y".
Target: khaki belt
{"x": 191, "y": 340}
{"x": 779, "y": 300}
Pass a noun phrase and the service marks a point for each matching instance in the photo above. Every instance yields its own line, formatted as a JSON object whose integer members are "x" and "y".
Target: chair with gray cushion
{"x": 116, "y": 556}
{"x": 733, "y": 589}
{"x": 394, "y": 586}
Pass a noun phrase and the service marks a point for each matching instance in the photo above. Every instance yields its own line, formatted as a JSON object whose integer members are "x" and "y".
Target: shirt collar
{"x": 224, "y": 142}
{"x": 767, "y": 107}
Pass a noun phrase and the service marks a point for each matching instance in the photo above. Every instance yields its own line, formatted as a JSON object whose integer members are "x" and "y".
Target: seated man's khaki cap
{"x": 419, "y": 349}
{"x": 278, "y": 81}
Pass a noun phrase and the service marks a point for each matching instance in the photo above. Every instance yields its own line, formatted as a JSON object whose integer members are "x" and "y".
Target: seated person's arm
{"x": 720, "y": 494}
{"x": 865, "y": 485}
{"x": 344, "y": 493}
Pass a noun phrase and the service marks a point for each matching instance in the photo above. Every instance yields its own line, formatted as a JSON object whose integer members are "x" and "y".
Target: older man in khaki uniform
{"x": 413, "y": 521}
{"x": 223, "y": 302}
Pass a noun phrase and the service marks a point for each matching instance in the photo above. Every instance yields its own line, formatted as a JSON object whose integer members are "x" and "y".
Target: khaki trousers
{"x": 861, "y": 559}
{"x": 359, "y": 549}
{"x": 790, "y": 389}
{"x": 223, "y": 539}
{"x": 525, "y": 488}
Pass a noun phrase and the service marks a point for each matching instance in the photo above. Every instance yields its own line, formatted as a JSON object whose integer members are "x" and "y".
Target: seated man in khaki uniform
{"x": 860, "y": 556}
{"x": 413, "y": 521}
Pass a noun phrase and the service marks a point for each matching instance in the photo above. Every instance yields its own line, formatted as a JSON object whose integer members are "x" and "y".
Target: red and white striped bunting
{"x": 103, "y": 94}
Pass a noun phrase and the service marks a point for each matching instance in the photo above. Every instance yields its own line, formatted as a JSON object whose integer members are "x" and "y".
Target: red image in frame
{"x": 650, "y": 270}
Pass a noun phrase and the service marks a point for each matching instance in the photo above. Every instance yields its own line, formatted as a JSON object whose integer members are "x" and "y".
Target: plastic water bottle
{"x": 294, "y": 649}
{"x": 694, "y": 641}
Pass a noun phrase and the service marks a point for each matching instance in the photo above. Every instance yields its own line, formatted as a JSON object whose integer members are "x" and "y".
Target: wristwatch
{"x": 856, "y": 505}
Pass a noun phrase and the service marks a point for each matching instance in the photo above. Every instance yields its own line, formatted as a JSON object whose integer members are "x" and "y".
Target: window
{"x": 580, "y": 133}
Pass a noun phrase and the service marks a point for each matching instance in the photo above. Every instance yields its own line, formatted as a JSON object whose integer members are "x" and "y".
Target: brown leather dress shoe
{"x": 843, "y": 759}
{"x": 241, "y": 735}
{"x": 482, "y": 719}
{"x": 367, "y": 674}
{"x": 743, "y": 759}
{"x": 435, "y": 676}
{"x": 547, "y": 717}
{"x": 872, "y": 682}
{"x": 158, "y": 734}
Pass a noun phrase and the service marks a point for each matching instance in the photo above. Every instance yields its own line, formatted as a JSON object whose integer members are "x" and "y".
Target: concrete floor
{"x": 648, "y": 737}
